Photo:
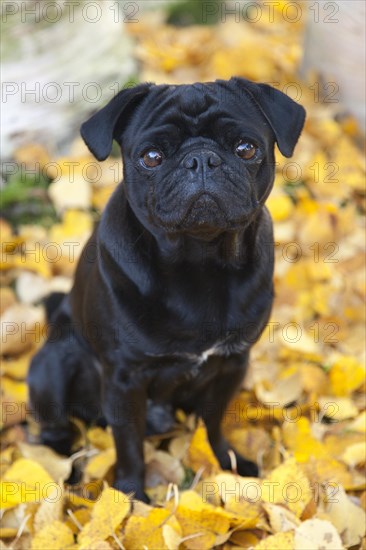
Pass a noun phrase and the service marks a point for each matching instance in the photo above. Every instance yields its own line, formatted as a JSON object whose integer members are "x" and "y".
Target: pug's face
{"x": 198, "y": 159}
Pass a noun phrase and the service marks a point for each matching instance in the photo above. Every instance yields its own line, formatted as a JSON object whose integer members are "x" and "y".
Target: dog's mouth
{"x": 204, "y": 218}
{"x": 204, "y": 211}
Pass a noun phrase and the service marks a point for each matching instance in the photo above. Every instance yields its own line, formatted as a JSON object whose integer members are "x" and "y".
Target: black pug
{"x": 175, "y": 284}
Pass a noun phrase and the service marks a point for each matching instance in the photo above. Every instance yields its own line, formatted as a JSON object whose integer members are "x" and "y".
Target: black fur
{"x": 175, "y": 285}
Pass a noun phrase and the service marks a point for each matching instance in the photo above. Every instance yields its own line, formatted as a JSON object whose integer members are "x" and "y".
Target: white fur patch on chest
{"x": 221, "y": 348}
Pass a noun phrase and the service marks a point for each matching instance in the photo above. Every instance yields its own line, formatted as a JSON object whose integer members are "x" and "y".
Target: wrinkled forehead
{"x": 195, "y": 107}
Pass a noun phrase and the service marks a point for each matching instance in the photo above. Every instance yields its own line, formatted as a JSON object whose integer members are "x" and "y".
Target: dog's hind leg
{"x": 62, "y": 381}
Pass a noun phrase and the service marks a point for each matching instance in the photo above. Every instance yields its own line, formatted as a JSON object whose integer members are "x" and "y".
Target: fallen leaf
{"x": 21, "y": 327}
{"x": 280, "y": 519}
{"x": 317, "y": 534}
{"x": 50, "y": 509}
{"x": 108, "y": 513}
{"x": 25, "y": 481}
{"x": 56, "y": 465}
{"x": 56, "y": 535}
{"x": 200, "y": 454}
{"x": 347, "y": 518}
{"x": 287, "y": 485}
{"x": 146, "y": 531}
{"x": 98, "y": 466}
{"x": 337, "y": 408}
{"x": 279, "y": 541}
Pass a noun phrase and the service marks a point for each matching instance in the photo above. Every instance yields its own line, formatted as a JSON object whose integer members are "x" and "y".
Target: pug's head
{"x": 198, "y": 159}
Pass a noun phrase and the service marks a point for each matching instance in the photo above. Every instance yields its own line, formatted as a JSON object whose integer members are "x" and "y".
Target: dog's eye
{"x": 152, "y": 158}
{"x": 246, "y": 150}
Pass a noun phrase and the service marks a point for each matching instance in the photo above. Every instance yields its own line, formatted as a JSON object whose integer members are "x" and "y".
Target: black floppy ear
{"x": 99, "y": 131}
{"x": 285, "y": 116}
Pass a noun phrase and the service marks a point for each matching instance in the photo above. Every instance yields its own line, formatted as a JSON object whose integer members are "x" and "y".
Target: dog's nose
{"x": 198, "y": 161}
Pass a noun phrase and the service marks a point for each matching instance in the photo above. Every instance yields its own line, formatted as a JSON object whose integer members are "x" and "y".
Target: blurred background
{"x": 62, "y": 61}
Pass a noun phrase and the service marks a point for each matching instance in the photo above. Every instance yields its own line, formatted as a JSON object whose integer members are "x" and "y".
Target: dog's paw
{"x": 133, "y": 488}
{"x": 244, "y": 467}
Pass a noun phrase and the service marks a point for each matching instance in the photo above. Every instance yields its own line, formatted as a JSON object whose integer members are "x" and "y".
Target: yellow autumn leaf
{"x": 147, "y": 531}
{"x": 346, "y": 375}
{"x": 59, "y": 467}
{"x": 172, "y": 537}
{"x": 75, "y": 223}
{"x": 337, "y": 408}
{"x": 108, "y": 513}
{"x": 279, "y": 541}
{"x": 16, "y": 367}
{"x": 287, "y": 485}
{"x": 280, "y": 206}
{"x": 50, "y": 509}
{"x": 298, "y": 437}
{"x": 56, "y": 535}
{"x": 201, "y": 526}
{"x": 355, "y": 454}
{"x": 359, "y": 423}
{"x": 25, "y": 481}
{"x": 195, "y": 502}
{"x": 99, "y": 438}
{"x": 200, "y": 454}
{"x": 18, "y": 390}
{"x": 99, "y": 465}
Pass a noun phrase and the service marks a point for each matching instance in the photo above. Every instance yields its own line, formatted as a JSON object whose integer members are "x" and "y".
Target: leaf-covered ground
{"x": 301, "y": 413}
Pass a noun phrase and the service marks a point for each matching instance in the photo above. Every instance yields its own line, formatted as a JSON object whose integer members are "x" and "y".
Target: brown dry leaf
{"x": 251, "y": 442}
{"x": 244, "y": 539}
{"x": 56, "y": 535}
{"x": 56, "y": 465}
{"x": 108, "y": 513}
{"x": 32, "y": 155}
{"x": 200, "y": 454}
{"x": 7, "y": 296}
{"x": 317, "y": 534}
{"x": 289, "y": 486}
{"x": 21, "y": 327}
{"x": 163, "y": 468}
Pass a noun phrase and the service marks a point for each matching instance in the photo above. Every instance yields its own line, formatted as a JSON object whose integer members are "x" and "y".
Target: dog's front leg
{"x": 213, "y": 404}
{"x": 125, "y": 411}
